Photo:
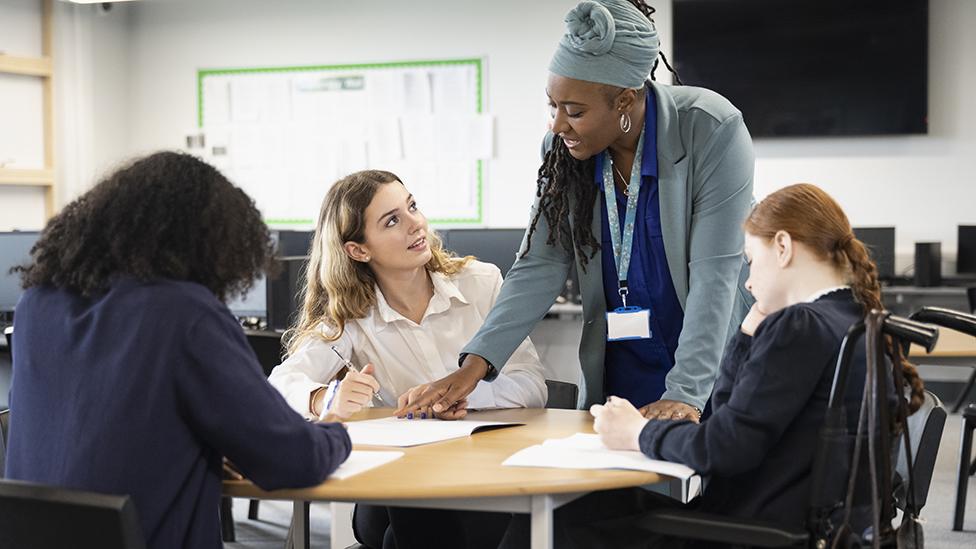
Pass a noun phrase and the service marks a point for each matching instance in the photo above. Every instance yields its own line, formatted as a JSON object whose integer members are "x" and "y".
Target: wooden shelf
{"x": 29, "y": 66}
{"x": 32, "y": 178}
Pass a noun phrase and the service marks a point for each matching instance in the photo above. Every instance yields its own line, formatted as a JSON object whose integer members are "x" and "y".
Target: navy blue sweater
{"x": 140, "y": 391}
{"x": 769, "y": 403}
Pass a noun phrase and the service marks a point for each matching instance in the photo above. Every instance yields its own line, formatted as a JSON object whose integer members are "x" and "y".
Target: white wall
{"x": 144, "y": 58}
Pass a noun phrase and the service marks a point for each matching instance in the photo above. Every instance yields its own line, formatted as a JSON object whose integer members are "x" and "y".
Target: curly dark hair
{"x": 167, "y": 215}
{"x": 563, "y": 179}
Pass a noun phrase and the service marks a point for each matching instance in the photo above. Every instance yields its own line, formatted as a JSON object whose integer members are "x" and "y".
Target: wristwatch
{"x": 490, "y": 375}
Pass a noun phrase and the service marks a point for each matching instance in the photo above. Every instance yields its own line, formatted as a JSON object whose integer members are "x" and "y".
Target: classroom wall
{"x": 145, "y": 66}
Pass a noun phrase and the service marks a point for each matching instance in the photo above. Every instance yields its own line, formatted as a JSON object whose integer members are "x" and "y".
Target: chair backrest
{"x": 925, "y": 429}
{"x": 267, "y": 347}
{"x": 971, "y": 295}
{"x": 4, "y": 421}
{"x": 46, "y": 517}
{"x": 561, "y": 395}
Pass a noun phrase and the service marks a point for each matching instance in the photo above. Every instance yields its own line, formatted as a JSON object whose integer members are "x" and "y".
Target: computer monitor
{"x": 966, "y": 252}
{"x": 880, "y": 242}
{"x": 14, "y": 250}
{"x": 293, "y": 243}
{"x": 253, "y": 303}
{"x": 496, "y": 246}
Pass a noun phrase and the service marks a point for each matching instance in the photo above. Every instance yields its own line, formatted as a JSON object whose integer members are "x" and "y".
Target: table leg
{"x": 299, "y": 526}
{"x": 542, "y": 521}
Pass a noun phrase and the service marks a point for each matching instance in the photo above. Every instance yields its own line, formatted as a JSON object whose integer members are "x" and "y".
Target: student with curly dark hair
{"x": 130, "y": 374}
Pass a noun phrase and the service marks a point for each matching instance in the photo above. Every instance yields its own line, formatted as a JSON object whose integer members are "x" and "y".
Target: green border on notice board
{"x": 478, "y": 64}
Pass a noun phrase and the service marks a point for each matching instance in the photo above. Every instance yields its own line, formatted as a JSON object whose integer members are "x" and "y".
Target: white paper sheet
{"x": 360, "y": 461}
{"x": 586, "y": 451}
{"x": 392, "y": 431}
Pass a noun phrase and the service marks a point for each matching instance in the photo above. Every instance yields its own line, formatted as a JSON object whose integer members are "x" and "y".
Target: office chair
{"x": 966, "y": 324}
{"x": 562, "y": 395}
{"x": 834, "y": 439}
{"x": 966, "y": 468}
{"x": 954, "y": 320}
{"x": 971, "y": 296}
{"x": 268, "y": 350}
{"x": 4, "y": 422}
{"x": 47, "y": 517}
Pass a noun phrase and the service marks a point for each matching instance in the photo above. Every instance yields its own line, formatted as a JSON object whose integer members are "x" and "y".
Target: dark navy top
{"x": 140, "y": 391}
{"x": 769, "y": 403}
{"x": 636, "y": 369}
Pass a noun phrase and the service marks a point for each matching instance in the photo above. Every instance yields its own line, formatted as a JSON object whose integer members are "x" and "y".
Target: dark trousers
{"x": 403, "y": 528}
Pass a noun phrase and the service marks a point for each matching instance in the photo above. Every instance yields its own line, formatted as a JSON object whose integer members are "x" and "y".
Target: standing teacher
{"x": 645, "y": 186}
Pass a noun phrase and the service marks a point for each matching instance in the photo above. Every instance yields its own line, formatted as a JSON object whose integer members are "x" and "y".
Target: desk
{"x": 467, "y": 473}
{"x": 952, "y": 349}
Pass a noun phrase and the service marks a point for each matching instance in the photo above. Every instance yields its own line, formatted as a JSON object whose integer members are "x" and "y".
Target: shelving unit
{"x": 43, "y": 68}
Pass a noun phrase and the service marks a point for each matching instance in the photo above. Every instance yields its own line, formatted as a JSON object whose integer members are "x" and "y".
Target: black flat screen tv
{"x": 810, "y": 67}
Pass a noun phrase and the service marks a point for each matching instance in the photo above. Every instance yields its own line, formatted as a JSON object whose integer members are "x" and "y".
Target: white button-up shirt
{"x": 406, "y": 354}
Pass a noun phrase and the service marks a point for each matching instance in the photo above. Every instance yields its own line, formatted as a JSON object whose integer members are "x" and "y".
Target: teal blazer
{"x": 705, "y": 171}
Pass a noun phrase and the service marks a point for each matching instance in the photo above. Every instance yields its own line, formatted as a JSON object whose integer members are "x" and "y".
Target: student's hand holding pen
{"x": 350, "y": 395}
{"x": 618, "y": 423}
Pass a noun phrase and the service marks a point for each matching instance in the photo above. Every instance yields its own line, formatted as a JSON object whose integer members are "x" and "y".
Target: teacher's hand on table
{"x": 446, "y": 397}
{"x": 618, "y": 423}
{"x": 670, "y": 409}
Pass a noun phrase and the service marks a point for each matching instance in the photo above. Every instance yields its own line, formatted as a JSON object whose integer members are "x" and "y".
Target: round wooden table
{"x": 467, "y": 473}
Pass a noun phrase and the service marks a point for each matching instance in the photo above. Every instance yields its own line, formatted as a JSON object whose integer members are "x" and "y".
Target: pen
{"x": 348, "y": 364}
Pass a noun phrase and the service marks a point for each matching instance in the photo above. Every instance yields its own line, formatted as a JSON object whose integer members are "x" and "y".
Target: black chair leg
{"x": 227, "y": 519}
{"x": 965, "y": 467}
{"x": 252, "y": 509}
{"x": 965, "y": 393}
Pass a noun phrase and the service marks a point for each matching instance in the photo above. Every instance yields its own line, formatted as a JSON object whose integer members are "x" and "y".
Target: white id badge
{"x": 628, "y": 323}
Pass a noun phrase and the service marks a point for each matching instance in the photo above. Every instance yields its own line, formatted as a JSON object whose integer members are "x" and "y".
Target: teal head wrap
{"x": 607, "y": 41}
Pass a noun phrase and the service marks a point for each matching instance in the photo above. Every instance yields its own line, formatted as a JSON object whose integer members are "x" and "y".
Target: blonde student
{"x": 383, "y": 292}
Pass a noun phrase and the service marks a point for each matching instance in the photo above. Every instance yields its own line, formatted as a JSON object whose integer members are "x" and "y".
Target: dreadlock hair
{"x": 812, "y": 217}
{"x": 564, "y": 180}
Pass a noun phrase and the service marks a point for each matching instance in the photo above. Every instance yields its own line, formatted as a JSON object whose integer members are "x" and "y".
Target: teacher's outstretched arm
{"x": 721, "y": 198}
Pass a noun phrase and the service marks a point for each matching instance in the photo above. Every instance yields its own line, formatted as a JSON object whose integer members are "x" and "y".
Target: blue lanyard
{"x": 622, "y": 245}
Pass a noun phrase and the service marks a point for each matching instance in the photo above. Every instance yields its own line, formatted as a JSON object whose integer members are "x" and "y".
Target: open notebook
{"x": 586, "y": 451}
{"x": 392, "y": 431}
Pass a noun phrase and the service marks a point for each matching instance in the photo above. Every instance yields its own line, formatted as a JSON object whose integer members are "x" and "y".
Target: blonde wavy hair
{"x": 338, "y": 288}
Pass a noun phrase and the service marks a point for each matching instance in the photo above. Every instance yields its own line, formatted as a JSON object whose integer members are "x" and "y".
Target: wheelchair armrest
{"x": 709, "y": 527}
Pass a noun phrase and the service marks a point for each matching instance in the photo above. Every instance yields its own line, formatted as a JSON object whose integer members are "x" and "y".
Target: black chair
{"x": 723, "y": 529}
{"x": 967, "y": 468}
{"x": 46, "y": 517}
{"x": 268, "y": 349}
{"x": 562, "y": 395}
{"x": 960, "y": 322}
{"x": 8, "y": 333}
{"x": 971, "y": 296}
{"x": 4, "y": 422}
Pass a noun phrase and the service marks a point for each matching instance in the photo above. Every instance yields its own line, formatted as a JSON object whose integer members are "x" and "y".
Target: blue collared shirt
{"x": 636, "y": 369}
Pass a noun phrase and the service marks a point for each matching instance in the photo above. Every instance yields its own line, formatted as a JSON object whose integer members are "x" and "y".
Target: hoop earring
{"x": 625, "y": 123}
